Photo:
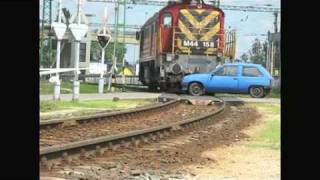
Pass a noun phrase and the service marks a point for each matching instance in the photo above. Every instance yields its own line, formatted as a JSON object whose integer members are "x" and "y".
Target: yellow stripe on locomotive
{"x": 198, "y": 28}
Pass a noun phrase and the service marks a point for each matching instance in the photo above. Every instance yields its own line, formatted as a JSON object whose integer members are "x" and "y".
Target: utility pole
{"x": 59, "y": 29}
{"x": 124, "y": 40}
{"x": 46, "y": 20}
{"x": 114, "y": 64}
{"x": 103, "y": 39}
{"x": 275, "y": 22}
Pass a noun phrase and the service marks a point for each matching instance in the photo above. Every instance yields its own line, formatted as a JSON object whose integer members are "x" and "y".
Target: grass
{"x": 46, "y": 106}
{"x": 275, "y": 93}
{"x": 269, "y": 136}
{"x": 66, "y": 88}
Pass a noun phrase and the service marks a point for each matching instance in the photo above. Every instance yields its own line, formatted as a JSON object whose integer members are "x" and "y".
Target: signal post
{"x": 59, "y": 29}
{"x": 78, "y": 31}
{"x": 103, "y": 39}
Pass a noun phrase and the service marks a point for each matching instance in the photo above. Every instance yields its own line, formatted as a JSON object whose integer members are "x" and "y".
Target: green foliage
{"x": 47, "y": 59}
{"x": 96, "y": 51}
{"x": 244, "y": 57}
{"x": 258, "y": 52}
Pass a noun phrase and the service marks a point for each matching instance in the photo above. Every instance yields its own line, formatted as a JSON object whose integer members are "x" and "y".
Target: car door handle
{"x": 235, "y": 78}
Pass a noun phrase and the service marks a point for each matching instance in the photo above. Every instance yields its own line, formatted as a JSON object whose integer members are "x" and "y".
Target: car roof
{"x": 243, "y": 64}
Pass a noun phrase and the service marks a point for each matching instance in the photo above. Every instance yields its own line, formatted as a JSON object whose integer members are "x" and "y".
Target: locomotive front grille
{"x": 197, "y": 32}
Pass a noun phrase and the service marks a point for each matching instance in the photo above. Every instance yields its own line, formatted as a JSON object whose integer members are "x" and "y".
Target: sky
{"x": 248, "y": 25}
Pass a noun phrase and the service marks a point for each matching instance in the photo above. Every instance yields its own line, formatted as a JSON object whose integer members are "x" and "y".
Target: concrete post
{"x": 101, "y": 80}
{"x": 76, "y": 83}
{"x": 59, "y": 29}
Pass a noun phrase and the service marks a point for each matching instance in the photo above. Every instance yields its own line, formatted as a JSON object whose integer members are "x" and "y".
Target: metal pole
{"x": 124, "y": 40}
{"x": 272, "y": 57}
{"x": 50, "y": 39}
{"x": 76, "y": 83}
{"x": 114, "y": 60}
{"x": 101, "y": 80}
{"x": 57, "y": 84}
{"x": 276, "y": 22}
{"x": 42, "y": 30}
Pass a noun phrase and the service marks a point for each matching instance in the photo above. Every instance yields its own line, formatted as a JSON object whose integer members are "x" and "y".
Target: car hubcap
{"x": 196, "y": 89}
{"x": 256, "y": 91}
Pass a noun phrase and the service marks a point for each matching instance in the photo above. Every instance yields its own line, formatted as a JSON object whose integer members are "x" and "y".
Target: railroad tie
{"x": 144, "y": 139}
{"x": 160, "y": 135}
{"x": 135, "y": 142}
{"x": 125, "y": 144}
{"x": 99, "y": 150}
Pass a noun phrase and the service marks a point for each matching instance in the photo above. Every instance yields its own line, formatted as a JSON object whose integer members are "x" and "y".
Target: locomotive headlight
{"x": 176, "y": 68}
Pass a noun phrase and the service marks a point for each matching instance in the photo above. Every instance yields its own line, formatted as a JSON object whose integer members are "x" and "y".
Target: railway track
{"x": 54, "y": 123}
{"x": 98, "y": 145}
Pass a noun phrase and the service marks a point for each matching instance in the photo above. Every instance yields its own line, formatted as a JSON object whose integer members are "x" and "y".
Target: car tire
{"x": 196, "y": 89}
{"x": 257, "y": 92}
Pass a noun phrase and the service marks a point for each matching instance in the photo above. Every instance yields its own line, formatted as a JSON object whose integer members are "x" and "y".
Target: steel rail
{"x": 99, "y": 145}
{"x": 103, "y": 116}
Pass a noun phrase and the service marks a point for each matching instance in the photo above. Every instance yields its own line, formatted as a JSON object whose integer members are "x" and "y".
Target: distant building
{"x": 95, "y": 68}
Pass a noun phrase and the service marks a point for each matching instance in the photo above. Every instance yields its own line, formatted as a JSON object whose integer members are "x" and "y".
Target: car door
{"x": 250, "y": 75}
{"x": 224, "y": 79}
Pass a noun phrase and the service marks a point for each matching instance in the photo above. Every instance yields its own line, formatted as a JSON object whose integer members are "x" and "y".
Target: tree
{"x": 45, "y": 60}
{"x": 258, "y": 52}
{"x": 244, "y": 57}
{"x": 96, "y": 51}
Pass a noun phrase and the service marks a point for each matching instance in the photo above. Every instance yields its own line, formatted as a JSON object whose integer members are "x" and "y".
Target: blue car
{"x": 244, "y": 78}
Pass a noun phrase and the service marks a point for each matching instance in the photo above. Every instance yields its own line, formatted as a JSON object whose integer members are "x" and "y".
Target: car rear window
{"x": 251, "y": 72}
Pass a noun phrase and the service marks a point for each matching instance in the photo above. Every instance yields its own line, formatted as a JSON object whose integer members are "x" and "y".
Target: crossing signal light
{"x": 103, "y": 40}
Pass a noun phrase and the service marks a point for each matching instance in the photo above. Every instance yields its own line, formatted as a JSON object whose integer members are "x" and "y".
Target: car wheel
{"x": 257, "y": 92}
{"x": 195, "y": 89}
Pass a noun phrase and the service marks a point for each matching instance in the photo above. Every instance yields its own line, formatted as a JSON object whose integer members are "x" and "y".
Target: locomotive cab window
{"x": 167, "y": 20}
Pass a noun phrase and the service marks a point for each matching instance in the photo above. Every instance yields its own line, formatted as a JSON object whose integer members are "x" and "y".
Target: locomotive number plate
{"x": 198, "y": 44}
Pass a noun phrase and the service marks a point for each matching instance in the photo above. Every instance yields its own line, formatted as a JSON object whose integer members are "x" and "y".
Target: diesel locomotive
{"x": 182, "y": 38}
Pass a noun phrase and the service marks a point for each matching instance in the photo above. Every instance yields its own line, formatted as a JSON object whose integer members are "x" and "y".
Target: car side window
{"x": 220, "y": 72}
{"x": 227, "y": 71}
{"x": 251, "y": 72}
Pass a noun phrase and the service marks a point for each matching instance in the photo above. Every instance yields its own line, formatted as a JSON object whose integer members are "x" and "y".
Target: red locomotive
{"x": 182, "y": 38}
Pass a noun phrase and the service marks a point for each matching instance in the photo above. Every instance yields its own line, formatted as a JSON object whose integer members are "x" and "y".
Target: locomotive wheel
{"x": 257, "y": 92}
{"x": 163, "y": 87}
{"x": 152, "y": 88}
{"x": 196, "y": 89}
